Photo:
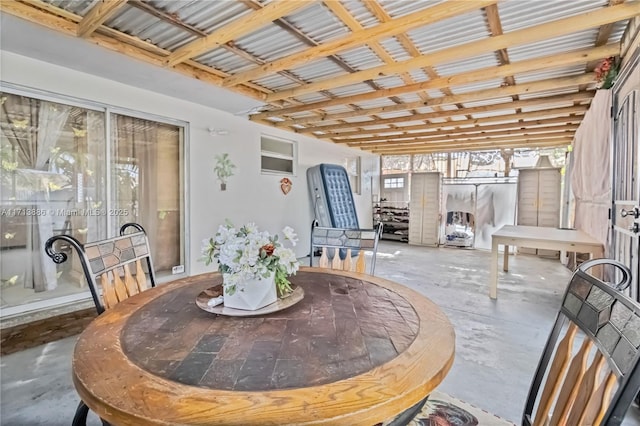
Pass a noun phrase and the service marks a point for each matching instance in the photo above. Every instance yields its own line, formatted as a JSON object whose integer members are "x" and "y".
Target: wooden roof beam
{"x": 237, "y": 28}
{"x": 565, "y": 136}
{"x": 65, "y": 22}
{"x": 534, "y": 118}
{"x": 511, "y": 134}
{"x": 478, "y": 146}
{"x": 515, "y": 38}
{"x": 556, "y": 123}
{"x": 97, "y": 15}
{"x": 483, "y": 74}
{"x": 436, "y": 13}
{"x": 501, "y": 92}
{"x": 508, "y": 106}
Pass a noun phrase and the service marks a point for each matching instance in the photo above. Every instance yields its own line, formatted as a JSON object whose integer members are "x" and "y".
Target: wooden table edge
{"x": 318, "y": 399}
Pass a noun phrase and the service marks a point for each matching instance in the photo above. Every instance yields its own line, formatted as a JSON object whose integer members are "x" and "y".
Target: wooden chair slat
{"x": 130, "y": 283}
{"x": 556, "y": 372}
{"x": 361, "y": 265}
{"x": 599, "y": 401}
{"x": 109, "y": 296}
{"x": 346, "y": 263}
{"x": 569, "y": 389}
{"x": 324, "y": 260}
{"x": 336, "y": 263}
{"x": 586, "y": 390}
{"x": 347, "y": 246}
{"x": 141, "y": 278}
{"x": 119, "y": 287}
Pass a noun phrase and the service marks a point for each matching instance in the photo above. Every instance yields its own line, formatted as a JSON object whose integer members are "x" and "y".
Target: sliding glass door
{"x": 64, "y": 170}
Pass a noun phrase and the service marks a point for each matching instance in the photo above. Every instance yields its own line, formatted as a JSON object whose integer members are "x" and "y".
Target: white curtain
{"x": 590, "y": 177}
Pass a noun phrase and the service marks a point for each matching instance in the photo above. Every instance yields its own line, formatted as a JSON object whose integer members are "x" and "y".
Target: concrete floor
{"x": 498, "y": 342}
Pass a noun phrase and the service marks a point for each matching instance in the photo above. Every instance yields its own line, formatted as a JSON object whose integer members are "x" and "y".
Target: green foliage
{"x": 224, "y": 167}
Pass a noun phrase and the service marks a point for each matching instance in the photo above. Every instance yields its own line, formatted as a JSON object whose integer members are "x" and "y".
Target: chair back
{"x": 343, "y": 248}
{"x": 114, "y": 263}
{"x": 590, "y": 362}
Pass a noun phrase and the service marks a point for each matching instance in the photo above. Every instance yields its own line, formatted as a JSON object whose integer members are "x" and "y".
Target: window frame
{"x": 275, "y": 155}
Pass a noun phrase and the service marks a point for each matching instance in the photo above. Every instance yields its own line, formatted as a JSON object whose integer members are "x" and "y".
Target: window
{"x": 394, "y": 183}
{"x": 63, "y": 171}
{"x": 352, "y": 165}
{"x": 278, "y": 155}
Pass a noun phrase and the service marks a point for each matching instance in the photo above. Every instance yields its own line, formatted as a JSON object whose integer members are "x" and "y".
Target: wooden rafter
{"x": 97, "y": 15}
{"x": 509, "y": 106}
{"x": 477, "y": 146}
{"x": 237, "y": 28}
{"x": 524, "y": 36}
{"x": 501, "y": 92}
{"x": 66, "y": 22}
{"x": 397, "y": 26}
{"x": 398, "y": 146}
{"x": 402, "y": 133}
{"x": 552, "y": 61}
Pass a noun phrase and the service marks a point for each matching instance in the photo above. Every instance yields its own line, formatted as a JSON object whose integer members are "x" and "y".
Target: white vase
{"x": 252, "y": 294}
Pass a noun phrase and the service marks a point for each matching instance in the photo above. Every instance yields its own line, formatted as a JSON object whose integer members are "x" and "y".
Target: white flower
{"x": 289, "y": 234}
{"x": 246, "y": 253}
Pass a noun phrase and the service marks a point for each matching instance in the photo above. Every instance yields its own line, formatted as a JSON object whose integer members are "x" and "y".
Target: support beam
{"x": 560, "y": 123}
{"x": 501, "y": 92}
{"x": 528, "y": 119}
{"x": 97, "y": 15}
{"x": 550, "y": 101}
{"x": 544, "y": 133}
{"x": 478, "y": 146}
{"x": 237, "y": 28}
{"x": 427, "y": 16}
{"x": 490, "y": 73}
{"x": 515, "y": 38}
{"x": 497, "y": 142}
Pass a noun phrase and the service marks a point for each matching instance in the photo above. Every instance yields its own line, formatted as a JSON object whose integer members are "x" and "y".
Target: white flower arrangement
{"x": 247, "y": 253}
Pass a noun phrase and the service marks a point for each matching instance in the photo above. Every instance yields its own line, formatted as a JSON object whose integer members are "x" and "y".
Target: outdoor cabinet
{"x": 539, "y": 201}
{"x": 424, "y": 208}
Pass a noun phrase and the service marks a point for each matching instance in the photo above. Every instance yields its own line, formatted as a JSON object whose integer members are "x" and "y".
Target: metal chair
{"x": 343, "y": 248}
{"x": 117, "y": 264}
{"x": 598, "y": 383}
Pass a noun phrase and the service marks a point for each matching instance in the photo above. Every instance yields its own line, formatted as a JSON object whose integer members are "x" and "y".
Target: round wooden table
{"x": 357, "y": 350}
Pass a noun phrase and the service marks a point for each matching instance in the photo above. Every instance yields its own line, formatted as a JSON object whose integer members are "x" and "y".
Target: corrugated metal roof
{"x": 318, "y": 23}
{"x": 352, "y": 89}
{"x": 450, "y": 32}
{"x": 514, "y": 16}
{"x": 277, "y": 82}
{"x": 397, "y": 8}
{"x": 79, "y": 7}
{"x": 361, "y": 58}
{"x": 361, "y": 13}
{"x": 395, "y": 49}
{"x": 270, "y": 43}
{"x": 568, "y": 43}
{"x": 318, "y": 70}
{"x": 494, "y": 101}
{"x": 207, "y": 16}
{"x": 494, "y": 83}
{"x": 469, "y": 64}
{"x": 549, "y": 73}
{"x": 226, "y": 61}
{"x": 388, "y": 82}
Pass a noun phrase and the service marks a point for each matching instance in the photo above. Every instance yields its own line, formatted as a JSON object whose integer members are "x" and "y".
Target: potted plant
{"x": 224, "y": 169}
{"x": 255, "y": 266}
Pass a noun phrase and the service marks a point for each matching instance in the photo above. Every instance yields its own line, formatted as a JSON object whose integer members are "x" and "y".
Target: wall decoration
{"x": 285, "y": 185}
{"x": 224, "y": 169}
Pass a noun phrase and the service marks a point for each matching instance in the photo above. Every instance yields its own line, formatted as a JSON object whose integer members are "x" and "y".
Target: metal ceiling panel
{"x": 388, "y": 82}
{"x": 450, "y": 32}
{"x": 352, "y": 89}
{"x": 338, "y": 109}
{"x": 270, "y": 43}
{"x": 469, "y": 64}
{"x": 318, "y": 23}
{"x": 410, "y": 97}
{"x": 79, "y": 7}
{"x": 484, "y": 102}
{"x": 514, "y": 15}
{"x": 395, "y": 49}
{"x": 226, "y": 61}
{"x": 418, "y": 75}
{"x": 361, "y": 58}
{"x": 397, "y": 8}
{"x": 362, "y": 14}
{"x": 567, "y": 43}
{"x": 207, "y": 16}
{"x": 277, "y": 82}
{"x": 549, "y": 74}
{"x": 308, "y": 98}
{"x": 495, "y": 83}
{"x": 375, "y": 103}
{"x": 322, "y": 69}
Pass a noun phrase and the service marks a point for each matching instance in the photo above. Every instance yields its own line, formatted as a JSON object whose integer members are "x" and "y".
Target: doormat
{"x": 444, "y": 410}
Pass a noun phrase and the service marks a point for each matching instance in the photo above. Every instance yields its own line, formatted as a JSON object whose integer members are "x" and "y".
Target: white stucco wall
{"x": 250, "y": 196}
